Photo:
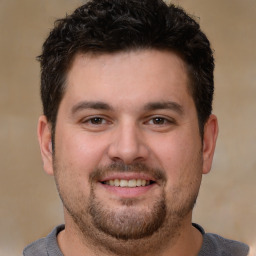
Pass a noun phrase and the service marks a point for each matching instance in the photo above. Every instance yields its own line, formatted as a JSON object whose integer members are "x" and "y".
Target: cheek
{"x": 180, "y": 156}
{"x": 80, "y": 150}
{"x": 76, "y": 156}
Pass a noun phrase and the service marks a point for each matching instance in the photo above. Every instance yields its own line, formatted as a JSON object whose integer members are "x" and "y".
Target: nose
{"x": 128, "y": 145}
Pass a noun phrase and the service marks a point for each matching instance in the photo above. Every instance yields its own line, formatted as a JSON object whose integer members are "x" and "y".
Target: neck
{"x": 186, "y": 240}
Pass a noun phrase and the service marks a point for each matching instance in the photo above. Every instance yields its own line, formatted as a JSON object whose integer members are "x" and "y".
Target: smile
{"x": 132, "y": 183}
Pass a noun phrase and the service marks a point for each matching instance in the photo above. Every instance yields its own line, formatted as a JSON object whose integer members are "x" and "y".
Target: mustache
{"x": 101, "y": 172}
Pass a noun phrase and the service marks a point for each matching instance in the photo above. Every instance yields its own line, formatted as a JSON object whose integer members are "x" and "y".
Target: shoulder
{"x": 36, "y": 248}
{"x": 45, "y": 246}
{"x": 221, "y": 246}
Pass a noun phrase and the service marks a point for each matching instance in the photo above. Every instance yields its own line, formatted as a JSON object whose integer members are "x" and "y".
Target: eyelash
{"x": 156, "y": 122}
{"x": 162, "y": 121}
{"x": 90, "y": 120}
{"x": 159, "y": 121}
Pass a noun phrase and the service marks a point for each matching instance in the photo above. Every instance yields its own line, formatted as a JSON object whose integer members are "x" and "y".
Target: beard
{"x": 130, "y": 221}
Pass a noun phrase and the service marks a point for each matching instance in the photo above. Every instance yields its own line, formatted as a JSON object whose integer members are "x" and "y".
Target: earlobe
{"x": 45, "y": 142}
{"x": 210, "y": 136}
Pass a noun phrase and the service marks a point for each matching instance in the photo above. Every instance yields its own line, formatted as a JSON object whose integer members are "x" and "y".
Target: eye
{"x": 161, "y": 123}
{"x": 95, "y": 123}
{"x": 158, "y": 120}
{"x": 96, "y": 120}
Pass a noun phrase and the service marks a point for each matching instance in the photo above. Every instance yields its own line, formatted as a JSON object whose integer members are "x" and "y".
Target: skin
{"x": 146, "y": 118}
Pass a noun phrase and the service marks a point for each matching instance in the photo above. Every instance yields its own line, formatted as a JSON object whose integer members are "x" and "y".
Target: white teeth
{"x": 128, "y": 183}
{"x": 116, "y": 182}
{"x": 138, "y": 183}
{"x": 132, "y": 183}
{"x": 123, "y": 183}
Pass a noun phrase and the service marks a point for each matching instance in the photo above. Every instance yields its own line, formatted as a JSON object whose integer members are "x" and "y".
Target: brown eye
{"x": 96, "y": 123}
{"x": 159, "y": 120}
{"x": 97, "y": 120}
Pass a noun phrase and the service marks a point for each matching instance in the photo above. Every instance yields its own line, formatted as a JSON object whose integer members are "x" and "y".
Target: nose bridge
{"x": 127, "y": 144}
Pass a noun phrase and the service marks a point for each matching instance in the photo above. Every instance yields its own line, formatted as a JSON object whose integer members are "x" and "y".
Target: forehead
{"x": 128, "y": 77}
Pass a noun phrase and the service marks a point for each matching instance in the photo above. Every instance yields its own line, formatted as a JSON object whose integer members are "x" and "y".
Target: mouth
{"x": 127, "y": 185}
{"x": 131, "y": 183}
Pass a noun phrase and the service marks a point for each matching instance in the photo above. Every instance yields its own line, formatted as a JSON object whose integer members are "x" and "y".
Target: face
{"x": 128, "y": 156}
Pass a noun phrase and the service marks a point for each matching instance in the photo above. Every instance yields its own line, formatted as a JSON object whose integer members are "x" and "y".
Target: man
{"x": 127, "y": 131}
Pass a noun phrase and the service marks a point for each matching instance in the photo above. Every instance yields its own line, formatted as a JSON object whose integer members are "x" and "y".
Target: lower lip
{"x": 126, "y": 192}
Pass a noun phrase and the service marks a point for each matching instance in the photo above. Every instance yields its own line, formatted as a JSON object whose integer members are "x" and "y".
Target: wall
{"x": 29, "y": 204}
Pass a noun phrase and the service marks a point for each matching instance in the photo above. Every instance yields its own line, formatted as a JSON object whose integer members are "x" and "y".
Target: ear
{"x": 45, "y": 141}
{"x": 210, "y": 136}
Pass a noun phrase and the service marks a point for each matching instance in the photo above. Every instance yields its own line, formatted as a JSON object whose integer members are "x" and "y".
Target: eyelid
{"x": 91, "y": 117}
{"x": 168, "y": 119}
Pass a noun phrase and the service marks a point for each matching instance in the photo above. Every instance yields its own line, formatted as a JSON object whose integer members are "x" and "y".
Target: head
{"x": 127, "y": 92}
{"x": 107, "y": 26}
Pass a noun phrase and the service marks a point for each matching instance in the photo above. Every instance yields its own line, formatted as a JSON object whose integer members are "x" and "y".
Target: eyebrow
{"x": 165, "y": 105}
{"x": 151, "y": 106}
{"x": 90, "y": 105}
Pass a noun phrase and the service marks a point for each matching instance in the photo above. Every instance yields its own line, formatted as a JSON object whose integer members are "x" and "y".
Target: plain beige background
{"x": 29, "y": 204}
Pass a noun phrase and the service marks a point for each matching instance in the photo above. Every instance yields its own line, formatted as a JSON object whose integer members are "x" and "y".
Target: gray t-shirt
{"x": 213, "y": 245}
